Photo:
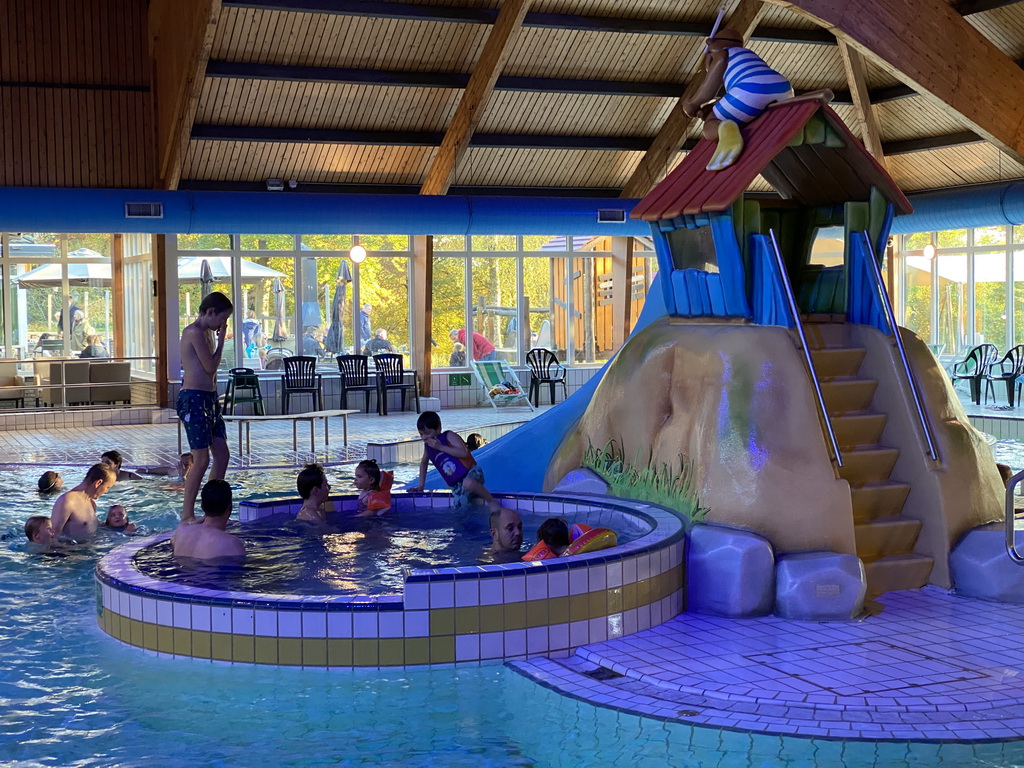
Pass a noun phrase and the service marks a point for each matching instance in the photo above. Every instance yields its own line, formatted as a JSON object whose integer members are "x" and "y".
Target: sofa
{"x": 11, "y": 383}
{"x": 85, "y": 382}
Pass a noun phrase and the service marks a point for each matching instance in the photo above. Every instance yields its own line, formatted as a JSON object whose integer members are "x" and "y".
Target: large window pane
{"x": 137, "y": 305}
{"x": 1018, "y": 296}
{"x": 204, "y": 242}
{"x": 952, "y": 301}
{"x": 952, "y": 238}
{"x": 537, "y": 295}
{"x": 916, "y": 241}
{"x": 449, "y": 300}
{"x": 496, "y": 306}
{"x": 326, "y": 242}
{"x": 493, "y": 242}
{"x": 990, "y": 298}
{"x": 273, "y": 299}
{"x": 917, "y": 312}
{"x": 990, "y": 236}
{"x": 449, "y": 242}
{"x": 266, "y": 242}
{"x": 384, "y": 285}
{"x": 197, "y": 277}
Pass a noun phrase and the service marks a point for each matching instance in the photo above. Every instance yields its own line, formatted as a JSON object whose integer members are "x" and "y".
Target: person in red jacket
{"x": 482, "y": 348}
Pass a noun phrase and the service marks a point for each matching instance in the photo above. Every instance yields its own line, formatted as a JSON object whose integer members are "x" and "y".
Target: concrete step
{"x": 895, "y": 572}
{"x": 846, "y": 394}
{"x": 854, "y": 429}
{"x": 878, "y": 500}
{"x": 868, "y": 465}
{"x": 837, "y": 361}
{"x": 886, "y": 536}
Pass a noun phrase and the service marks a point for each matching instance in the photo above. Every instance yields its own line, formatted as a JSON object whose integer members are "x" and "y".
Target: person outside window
{"x": 252, "y": 334}
{"x": 365, "y": 329}
{"x": 482, "y": 348}
{"x": 93, "y": 347}
{"x": 311, "y": 345}
{"x": 379, "y": 344}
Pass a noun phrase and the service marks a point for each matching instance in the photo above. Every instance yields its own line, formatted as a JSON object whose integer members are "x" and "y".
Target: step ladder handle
{"x": 1011, "y": 543}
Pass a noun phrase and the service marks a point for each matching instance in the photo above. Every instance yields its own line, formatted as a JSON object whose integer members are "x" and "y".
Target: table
{"x": 311, "y": 417}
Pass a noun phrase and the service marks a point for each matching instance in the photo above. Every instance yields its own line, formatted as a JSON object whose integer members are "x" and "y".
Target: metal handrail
{"x": 1011, "y": 543}
{"x": 794, "y": 311}
{"x": 876, "y": 276}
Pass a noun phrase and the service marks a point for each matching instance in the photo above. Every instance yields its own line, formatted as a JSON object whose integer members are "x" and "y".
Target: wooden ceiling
{"x": 364, "y": 95}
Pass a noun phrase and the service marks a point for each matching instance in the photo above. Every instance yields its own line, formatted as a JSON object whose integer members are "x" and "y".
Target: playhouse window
{"x": 827, "y": 246}
{"x": 693, "y": 249}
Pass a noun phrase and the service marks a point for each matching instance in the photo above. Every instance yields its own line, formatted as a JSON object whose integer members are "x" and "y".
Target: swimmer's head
{"x": 117, "y": 517}
{"x": 50, "y": 482}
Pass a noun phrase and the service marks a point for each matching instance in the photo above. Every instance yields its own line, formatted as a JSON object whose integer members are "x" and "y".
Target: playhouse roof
{"x": 816, "y": 168}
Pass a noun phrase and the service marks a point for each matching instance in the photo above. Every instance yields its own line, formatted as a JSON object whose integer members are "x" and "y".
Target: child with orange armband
{"x": 374, "y": 489}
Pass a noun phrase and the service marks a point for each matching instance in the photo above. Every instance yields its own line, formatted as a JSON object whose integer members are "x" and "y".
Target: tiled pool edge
{"x": 470, "y": 614}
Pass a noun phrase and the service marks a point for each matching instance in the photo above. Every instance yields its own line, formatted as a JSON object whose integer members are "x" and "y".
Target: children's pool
{"x": 71, "y": 696}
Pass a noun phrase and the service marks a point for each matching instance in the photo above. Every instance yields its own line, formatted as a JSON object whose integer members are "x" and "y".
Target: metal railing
{"x": 1011, "y": 543}
{"x": 56, "y": 397}
{"x": 794, "y": 311}
{"x": 882, "y": 297}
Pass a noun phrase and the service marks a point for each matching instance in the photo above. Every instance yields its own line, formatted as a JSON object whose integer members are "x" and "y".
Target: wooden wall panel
{"x": 914, "y": 117}
{"x": 545, "y": 167}
{"x": 573, "y": 114}
{"x": 74, "y": 94}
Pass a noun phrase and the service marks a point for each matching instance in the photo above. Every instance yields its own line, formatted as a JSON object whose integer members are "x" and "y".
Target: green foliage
{"x": 659, "y": 483}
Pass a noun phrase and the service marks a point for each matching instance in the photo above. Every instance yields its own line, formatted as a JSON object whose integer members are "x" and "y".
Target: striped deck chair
{"x": 490, "y": 374}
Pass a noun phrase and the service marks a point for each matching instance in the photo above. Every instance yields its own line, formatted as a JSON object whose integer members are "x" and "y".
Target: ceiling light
{"x": 358, "y": 254}
{"x": 929, "y": 251}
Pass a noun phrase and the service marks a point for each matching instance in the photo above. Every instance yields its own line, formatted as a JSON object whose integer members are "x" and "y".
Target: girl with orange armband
{"x": 554, "y": 538}
{"x": 374, "y": 489}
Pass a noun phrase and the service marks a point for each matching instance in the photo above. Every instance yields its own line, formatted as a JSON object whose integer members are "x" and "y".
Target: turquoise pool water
{"x": 71, "y": 696}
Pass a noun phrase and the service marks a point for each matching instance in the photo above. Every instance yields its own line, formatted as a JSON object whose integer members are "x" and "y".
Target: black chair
{"x": 300, "y": 377}
{"x": 974, "y": 367}
{"x": 243, "y": 387}
{"x": 355, "y": 377}
{"x": 391, "y": 374}
{"x": 1006, "y": 370}
{"x": 545, "y": 369}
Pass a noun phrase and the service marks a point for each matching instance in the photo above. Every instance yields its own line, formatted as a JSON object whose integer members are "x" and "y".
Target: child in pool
{"x": 39, "y": 531}
{"x": 314, "y": 489}
{"x": 553, "y": 536}
{"x": 374, "y": 489}
{"x": 117, "y": 518}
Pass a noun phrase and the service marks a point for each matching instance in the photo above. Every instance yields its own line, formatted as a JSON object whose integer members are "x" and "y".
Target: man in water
{"x": 74, "y": 514}
{"x": 506, "y": 536}
{"x": 208, "y": 541}
{"x": 202, "y": 345}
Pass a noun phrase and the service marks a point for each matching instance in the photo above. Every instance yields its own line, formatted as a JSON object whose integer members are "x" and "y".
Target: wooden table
{"x": 295, "y": 418}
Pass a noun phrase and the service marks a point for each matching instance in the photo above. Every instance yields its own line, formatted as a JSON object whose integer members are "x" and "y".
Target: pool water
{"x": 72, "y": 696}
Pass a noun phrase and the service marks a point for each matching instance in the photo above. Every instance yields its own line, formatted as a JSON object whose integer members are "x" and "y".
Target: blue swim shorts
{"x": 461, "y": 498}
{"x": 199, "y": 412}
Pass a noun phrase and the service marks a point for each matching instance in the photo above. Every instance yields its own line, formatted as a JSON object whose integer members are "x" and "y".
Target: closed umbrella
{"x": 335, "y": 341}
{"x": 280, "y": 332}
{"x": 205, "y": 279}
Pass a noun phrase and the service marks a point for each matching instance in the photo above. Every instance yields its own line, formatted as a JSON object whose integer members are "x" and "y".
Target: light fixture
{"x": 275, "y": 185}
{"x": 929, "y": 251}
{"x": 357, "y": 253}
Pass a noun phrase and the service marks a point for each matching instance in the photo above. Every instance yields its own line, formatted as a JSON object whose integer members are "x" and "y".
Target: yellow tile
{"x": 579, "y": 607}
{"x": 442, "y": 650}
{"x": 165, "y": 639}
{"x": 289, "y": 651}
{"x": 615, "y": 600}
{"x": 558, "y": 610}
{"x": 182, "y": 642}
{"x": 113, "y": 626}
{"x": 442, "y": 621}
{"x": 243, "y": 648}
{"x": 536, "y": 613}
{"x": 149, "y": 636}
{"x": 392, "y": 651}
{"x": 629, "y": 593}
{"x": 515, "y": 615}
{"x": 492, "y": 618}
{"x": 643, "y": 592}
{"x": 675, "y": 579}
{"x": 365, "y": 652}
{"x": 598, "y": 602}
{"x": 220, "y": 646}
{"x": 339, "y": 652}
{"x": 417, "y": 650}
{"x": 134, "y": 632}
{"x": 314, "y": 652}
{"x": 266, "y": 650}
{"x": 201, "y": 644}
{"x": 467, "y": 620}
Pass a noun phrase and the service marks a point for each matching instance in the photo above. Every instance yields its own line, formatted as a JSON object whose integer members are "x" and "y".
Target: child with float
{"x": 557, "y": 539}
{"x": 374, "y": 489}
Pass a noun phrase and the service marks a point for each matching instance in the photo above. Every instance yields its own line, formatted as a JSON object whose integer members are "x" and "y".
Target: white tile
{"x": 578, "y": 581}
{"x": 614, "y": 575}
{"x": 417, "y": 623}
{"x": 201, "y": 617}
{"x": 643, "y": 618}
{"x": 364, "y": 624}
{"x": 165, "y": 613}
{"x": 598, "y": 576}
{"x": 598, "y": 630}
{"x": 515, "y": 589}
{"x": 417, "y": 595}
{"x": 339, "y": 624}
{"x": 579, "y": 633}
{"x": 616, "y": 627}
{"x": 148, "y": 610}
{"x": 536, "y": 586}
{"x": 220, "y": 618}
{"x": 391, "y": 623}
{"x": 537, "y": 640}
{"x": 515, "y": 642}
{"x": 289, "y": 623}
{"x": 629, "y": 570}
{"x": 314, "y": 624}
{"x": 467, "y": 647}
{"x": 182, "y": 616}
{"x": 266, "y": 623}
{"x": 467, "y": 592}
{"x": 629, "y": 622}
{"x": 558, "y": 584}
{"x": 242, "y": 621}
{"x": 491, "y": 592}
{"x": 558, "y": 637}
{"x": 442, "y": 594}
{"x": 106, "y": 595}
{"x": 492, "y": 645}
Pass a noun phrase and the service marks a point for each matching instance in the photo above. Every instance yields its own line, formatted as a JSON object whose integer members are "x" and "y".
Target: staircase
{"x": 885, "y": 539}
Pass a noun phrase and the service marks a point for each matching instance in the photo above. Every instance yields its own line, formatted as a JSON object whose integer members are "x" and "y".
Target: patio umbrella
{"x": 96, "y": 275}
{"x": 205, "y": 279}
{"x": 190, "y": 267}
{"x": 280, "y": 332}
{"x": 335, "y": 341}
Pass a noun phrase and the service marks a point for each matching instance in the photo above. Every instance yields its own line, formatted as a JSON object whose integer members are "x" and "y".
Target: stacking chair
{"x": 498, "y": 373}
{"x": 355, "y": 377}
{"x": 974, "y": 367}
{"x": 391, "y": 374}
{"x": 1006, "y": 370}
{"x": 243, "y": 387}
{"x": 545, "y": 369}
{"x": 300, "y": 378}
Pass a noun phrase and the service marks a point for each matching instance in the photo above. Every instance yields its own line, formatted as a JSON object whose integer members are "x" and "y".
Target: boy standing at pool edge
{"x": 453, "y": 461}
{"x": 202, "y": 345}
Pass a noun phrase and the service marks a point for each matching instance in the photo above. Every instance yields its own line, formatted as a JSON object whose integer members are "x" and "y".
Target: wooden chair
{"x": 391, "y": 374}
{"x": 497, "y": 373}
{"x": 545, "y": 369}
{"x": 355, "y": 377}
{"x": 300, "y": 377}
{"x": 974, "y": 367}
{"x": 1006, "y": 370}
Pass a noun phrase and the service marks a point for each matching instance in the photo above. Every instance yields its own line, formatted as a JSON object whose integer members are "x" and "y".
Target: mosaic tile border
{"x": 468, "y": 614}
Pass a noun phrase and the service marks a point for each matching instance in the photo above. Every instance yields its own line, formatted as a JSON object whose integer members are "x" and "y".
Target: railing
{"x": 875, "y": 272}
{"x": 1011, "y": 543}
{"x": 794, "y": 311}
{"x": 63, "y": 395}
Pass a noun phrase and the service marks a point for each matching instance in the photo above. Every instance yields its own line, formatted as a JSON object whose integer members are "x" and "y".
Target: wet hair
{"x": 428, "y": 420}
{"x": 106, "y": 520}
{"x": 554, "y": 532}
{"x": 474, "y": 441}
{"x": 312, "y": 476}
{"x": 33, "y": 524}
{"x": 215, "y": 499}
{"x": 100, "y": 471}
{"x": 114, "y": 456}
{"x": 1005, "y": 472}
{"x": 369, "y": 466}
{"x": 48, "y": 481}
{"x": 216, "y": 301}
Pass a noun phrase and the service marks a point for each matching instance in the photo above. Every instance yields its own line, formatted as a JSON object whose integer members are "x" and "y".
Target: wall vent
{"x": 143, "y": 210}
{"x": 611, "y": 216}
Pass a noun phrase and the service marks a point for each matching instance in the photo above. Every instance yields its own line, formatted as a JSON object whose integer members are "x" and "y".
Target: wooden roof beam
{"x": 969, "y": 7}
{"x": 967, "y": 76}
{"x": 867, "y": 124}
{"x": 181, "y": 36}
{"x": 474, "y": 98}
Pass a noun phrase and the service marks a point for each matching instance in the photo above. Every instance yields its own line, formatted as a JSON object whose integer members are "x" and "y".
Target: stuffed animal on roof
{"x": 750, "y": 86}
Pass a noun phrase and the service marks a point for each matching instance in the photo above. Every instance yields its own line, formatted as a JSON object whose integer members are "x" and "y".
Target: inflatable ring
{"x": 539, "y": 551}
{"x": 592, "y": 541}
